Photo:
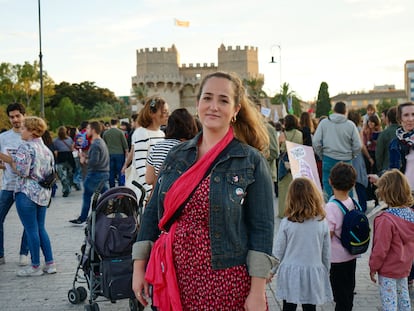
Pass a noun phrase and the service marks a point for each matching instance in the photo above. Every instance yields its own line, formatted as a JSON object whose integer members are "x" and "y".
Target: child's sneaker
{"x": 49, "y": 268}
{"x": 30, "y": 271}
{"x": 23, "y": 260}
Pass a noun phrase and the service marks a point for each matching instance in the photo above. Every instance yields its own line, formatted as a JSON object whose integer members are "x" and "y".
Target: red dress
{"x": 201, "y": 287}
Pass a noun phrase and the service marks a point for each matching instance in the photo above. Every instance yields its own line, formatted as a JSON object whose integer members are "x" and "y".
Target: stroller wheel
{"x": 73, "y": 296}
{"x": 134, "y": 305}
{"x": 83, "y": 294}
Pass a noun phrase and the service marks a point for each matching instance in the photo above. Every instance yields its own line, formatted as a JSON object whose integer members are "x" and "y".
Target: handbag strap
{"x": 70, "y": 148}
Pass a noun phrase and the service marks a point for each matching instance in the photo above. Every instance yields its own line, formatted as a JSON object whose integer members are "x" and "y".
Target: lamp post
{"x": 272, "y": 61}
{"x": 42, "y": 100}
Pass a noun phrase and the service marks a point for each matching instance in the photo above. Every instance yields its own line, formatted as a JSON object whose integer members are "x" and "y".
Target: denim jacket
{"x": 241, "y": 207}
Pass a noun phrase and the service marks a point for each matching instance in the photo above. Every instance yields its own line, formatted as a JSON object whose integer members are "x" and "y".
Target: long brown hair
{"x": 304, "y": 201}
{"x": 249, "y": 127}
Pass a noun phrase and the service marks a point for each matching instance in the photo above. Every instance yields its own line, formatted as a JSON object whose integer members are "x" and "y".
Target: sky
{"x": 352, "y": 45}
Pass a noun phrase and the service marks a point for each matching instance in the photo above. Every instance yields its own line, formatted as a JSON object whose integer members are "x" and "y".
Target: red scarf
{"x": 160, "y": 270}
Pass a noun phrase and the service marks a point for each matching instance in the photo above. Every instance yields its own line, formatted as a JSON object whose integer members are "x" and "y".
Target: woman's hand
{"x": 371, "y": 161}
{"x": 372, "y": 276}
{"x": 256, "y": 300}
{"x": 6, "y": 158}
{"x": 373, "y": 178}
{"x": 139, "y": 285}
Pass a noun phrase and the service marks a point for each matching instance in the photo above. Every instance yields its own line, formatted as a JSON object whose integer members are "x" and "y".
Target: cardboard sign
{"x": 302, "y": 162}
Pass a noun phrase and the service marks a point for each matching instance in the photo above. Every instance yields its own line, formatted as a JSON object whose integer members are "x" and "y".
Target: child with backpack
{"x": 343, "y": 264}
{"x": 393, "y": 242}
{"x": 303, "y": 249}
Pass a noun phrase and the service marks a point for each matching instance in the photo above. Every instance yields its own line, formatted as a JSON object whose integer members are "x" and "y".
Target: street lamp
{"x": 42, "y": 101}
{"x": 272, "y": 61}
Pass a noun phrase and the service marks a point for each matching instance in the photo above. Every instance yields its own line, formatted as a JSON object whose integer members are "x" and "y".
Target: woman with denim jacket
{"x": 213, "y": 206}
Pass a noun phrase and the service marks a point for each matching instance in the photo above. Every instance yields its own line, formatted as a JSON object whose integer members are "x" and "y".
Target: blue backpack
{"x": 355, "y": 234}
{"x": 81, "y": 141}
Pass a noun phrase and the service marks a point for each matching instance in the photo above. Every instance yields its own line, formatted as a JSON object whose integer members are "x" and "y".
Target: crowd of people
{"x": 206, "y": 235}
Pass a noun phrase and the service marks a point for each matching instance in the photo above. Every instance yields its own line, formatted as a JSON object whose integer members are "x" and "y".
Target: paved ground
{"x": 49, "y": 292}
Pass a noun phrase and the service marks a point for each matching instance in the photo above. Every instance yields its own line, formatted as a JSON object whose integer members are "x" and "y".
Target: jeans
{"x": 6, "y": 201}
{"x": 77, "y": 174}
{"x": 116, "y": 161}
{"x": 327, "y": 164}
{"x": 33, "y": 218}
{"x": 362, "y": 196}
{"x": 91, "y": 183}
{"x": 65, "y": 172}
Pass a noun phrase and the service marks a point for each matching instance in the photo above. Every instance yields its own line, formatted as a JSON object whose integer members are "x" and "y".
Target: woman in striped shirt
{"x": 151, "y": 118}
{"x": 181, "y": 126}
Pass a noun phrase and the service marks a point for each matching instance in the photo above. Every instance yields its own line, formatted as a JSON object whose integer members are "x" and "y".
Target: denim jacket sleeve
{"x": 260, "y": 221}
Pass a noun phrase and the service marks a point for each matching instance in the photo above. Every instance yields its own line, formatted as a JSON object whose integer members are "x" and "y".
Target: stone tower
{"x": 159, "y": 71}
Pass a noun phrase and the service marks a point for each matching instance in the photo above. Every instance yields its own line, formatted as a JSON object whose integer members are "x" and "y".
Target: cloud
{"x": 380, "y": 12}
{"x": 376, "y": 9}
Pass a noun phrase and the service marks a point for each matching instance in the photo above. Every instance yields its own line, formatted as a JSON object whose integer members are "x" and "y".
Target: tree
{"x": 386, "y": 104}
{"x": 140, "y": 91}
{"x": 102, "y": 109}
{"x": 284, "y": 97}
{"x": 21, "y": 83}
{"x": 66, "y": 113}
{"x": 86, "y": 94}
{"x": 323, "y": 103}
{"x": 254, "y": 88}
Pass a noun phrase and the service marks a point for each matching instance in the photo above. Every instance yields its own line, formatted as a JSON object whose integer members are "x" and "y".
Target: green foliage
{"x": 21, "y": 83}
{"x": 386, "y": 104}
{"x": 86, "y": 94}
{"x": 254, "y": 88}
{"x": 101, "y": 110}
{"x": 66, "y": 113}
{"x": 283, "y": 98}
{"x": 323, "y": 103}
{"x": 140, "y": 91}
{"x": 65, "y": 103}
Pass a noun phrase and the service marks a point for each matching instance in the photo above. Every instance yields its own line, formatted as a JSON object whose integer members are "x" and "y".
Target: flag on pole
{"x": 181, "y": 23}
{"x": 290, "y": 107}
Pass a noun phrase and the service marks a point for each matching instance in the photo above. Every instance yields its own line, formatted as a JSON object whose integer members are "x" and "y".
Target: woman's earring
{"x": 234, "y": 119}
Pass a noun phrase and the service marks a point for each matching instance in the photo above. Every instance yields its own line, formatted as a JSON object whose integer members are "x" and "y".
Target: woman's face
{"x": 407, "y": 118}
{"x": 26, "y": 134}
{"x": 216, "y": 106}
{"x": 161, "y": 116}
{"x": 371, "y": 124}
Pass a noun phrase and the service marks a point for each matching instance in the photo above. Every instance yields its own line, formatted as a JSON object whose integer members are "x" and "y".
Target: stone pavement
{"x": 49, "y": 292}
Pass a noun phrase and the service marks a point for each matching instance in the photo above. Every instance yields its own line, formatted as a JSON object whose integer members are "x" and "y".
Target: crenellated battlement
{"x": 160, "y": 50}
{"x": 198, "y": 65}
{"x": 237, "y": 48}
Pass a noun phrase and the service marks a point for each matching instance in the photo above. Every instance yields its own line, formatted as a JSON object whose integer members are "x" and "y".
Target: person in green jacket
{"x": 382, "y": 155}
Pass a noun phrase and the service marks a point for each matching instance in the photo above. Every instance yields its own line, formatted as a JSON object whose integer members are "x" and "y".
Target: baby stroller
{"x": 105, "y": 259}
